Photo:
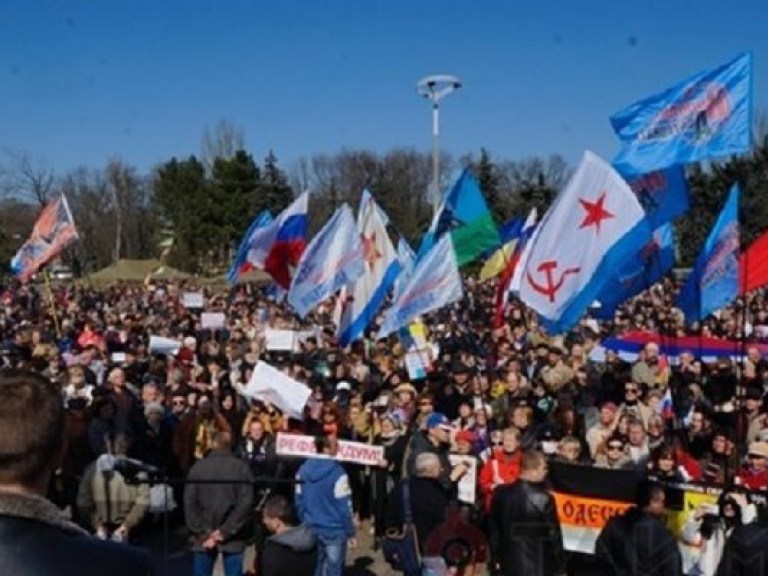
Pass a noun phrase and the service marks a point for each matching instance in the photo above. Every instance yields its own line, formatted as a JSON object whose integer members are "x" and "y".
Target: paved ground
{"x": 361, "y": 561}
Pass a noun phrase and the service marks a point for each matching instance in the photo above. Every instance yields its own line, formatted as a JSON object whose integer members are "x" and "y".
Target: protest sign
{"x": 414, "y": 363}
{"x": 193, "y": 300}
{"x": 468, "y": 483}
{"x": 279, "y": 340}
{"x": 285, "y": 340}
{"x": 268, "y": 384}
{"x": 212, "y": 320}
{"x": 163, "y": 345}
{"x": 353, "y": 452}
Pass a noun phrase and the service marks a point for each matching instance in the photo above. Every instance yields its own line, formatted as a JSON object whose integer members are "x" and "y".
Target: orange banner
{"x": 575, "y": 510}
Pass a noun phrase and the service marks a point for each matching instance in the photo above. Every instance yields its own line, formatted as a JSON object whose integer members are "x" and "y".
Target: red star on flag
{"x": 595, "y": 213}
{"x": 370, "y": 252}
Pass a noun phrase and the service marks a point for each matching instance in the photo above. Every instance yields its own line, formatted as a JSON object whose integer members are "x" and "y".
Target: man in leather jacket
{"x": 637, "y": 543}
{"x": 524, "y": 531}
{"x": 35, "y": 538}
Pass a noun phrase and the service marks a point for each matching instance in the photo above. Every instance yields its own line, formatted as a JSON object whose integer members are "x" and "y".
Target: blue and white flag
{"x": 714, "y": 281}
{"x": 435, "y": 283}
{"x": 648, "y": 266}
{"x": 407, "y": 258}
{"x": 706, "y": 115}
{"x": 333, "y": 258}
{"x": 663, "y": 194}
{"x": 361, "y": 301}
{"x": 594, "y": 225}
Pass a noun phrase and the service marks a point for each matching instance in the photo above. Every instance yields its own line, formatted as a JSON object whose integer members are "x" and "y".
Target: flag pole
{"x": 52, "y": 303}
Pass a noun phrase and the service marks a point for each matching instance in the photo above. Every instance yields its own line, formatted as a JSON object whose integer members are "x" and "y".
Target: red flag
{"x": 754, "y": 265}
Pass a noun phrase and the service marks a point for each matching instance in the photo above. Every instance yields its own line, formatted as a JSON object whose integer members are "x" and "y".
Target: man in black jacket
{"x": 637, "y": 543}
{"x": 219, "y": 514}
{"x": 524, "y": 531}
{"x": 292, "y": 549}
{"x": 35, "y": 539}
{"x": 746, "y": 550}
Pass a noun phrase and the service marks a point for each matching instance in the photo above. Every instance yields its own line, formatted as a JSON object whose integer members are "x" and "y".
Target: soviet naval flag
{"x": 595, "y": 224}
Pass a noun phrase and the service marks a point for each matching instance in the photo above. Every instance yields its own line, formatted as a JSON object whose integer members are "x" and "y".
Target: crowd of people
{"x": 512, "y": 398}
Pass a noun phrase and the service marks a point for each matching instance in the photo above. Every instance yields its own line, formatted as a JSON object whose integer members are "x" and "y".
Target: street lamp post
{"x": 435, "y": 88}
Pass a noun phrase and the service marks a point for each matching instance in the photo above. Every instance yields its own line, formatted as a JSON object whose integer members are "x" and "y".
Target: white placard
{"x": 193, "y": 300}
{"x": 414, "y": 363}
{"x": 355, "y": 452}
{"x": 212, "y": 320}
{"x": 468, "y": 483}
{"x": 268, "y": 384}
{"x": 163, "y": 345}
{"x": 285, "y": 340}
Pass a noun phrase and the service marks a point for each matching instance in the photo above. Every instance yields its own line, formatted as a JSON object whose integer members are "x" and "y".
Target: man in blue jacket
{"x": 324, "y": 503}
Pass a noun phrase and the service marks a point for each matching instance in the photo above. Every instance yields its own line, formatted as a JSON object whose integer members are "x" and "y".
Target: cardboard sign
{"x": 193, "y": 300}
{"x": 354, "y": 452}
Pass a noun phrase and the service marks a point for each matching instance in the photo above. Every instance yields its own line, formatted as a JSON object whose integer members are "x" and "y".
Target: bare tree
{"x": 221, "y": 141}
{"x": 27, "y": 178}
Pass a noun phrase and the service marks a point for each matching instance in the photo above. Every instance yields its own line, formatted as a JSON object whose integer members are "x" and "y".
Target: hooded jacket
{"x": 324, "y": 498}
{"x": 290, "y": 553}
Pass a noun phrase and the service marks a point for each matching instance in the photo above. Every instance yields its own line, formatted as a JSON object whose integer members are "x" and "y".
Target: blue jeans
{"x": 203, "y": 562}
{"x": 331, "y": 554}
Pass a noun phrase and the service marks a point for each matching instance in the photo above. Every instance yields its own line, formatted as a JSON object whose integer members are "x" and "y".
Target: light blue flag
{"x": 648, "y": 266}
{"x": 333, "y": 258}
{"x": 435, "y": 283}
{"x": 663, "y": 194}
{"x": 240, "y": 265}
{"x": 706, "y": 115}
{"x": 407, "y": 259}
{"x": 714, "y": 281}
{"x": 361, "y": 300}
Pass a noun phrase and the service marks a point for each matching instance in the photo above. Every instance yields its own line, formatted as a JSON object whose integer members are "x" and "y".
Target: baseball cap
{"x": 438, "y": 420}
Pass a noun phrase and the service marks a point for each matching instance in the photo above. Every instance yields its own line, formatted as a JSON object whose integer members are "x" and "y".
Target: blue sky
{"x": 83, "y": 81}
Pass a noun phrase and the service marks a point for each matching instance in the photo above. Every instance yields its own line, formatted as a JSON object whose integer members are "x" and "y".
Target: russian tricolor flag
{"x": 277, "y": 247}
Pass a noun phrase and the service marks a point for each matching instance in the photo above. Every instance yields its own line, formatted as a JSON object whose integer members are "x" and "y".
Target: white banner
{"x": 268, "y": 384}
{"x": 285, "y": 340}
{"x": 163, "y": 345}
{"x": 193, "y": 300}
{"x": 212, "y": 320}
{"x": 355, "y": 452}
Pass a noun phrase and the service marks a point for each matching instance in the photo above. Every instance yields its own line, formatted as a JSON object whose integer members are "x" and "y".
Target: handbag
{"x": 401, "y": 547}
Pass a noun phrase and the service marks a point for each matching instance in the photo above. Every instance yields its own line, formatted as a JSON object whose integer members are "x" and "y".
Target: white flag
{"x": 593, "y": 225}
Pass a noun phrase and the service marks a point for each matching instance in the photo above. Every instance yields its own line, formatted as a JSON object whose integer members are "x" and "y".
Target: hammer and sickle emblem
{"x": 552, "y": 286}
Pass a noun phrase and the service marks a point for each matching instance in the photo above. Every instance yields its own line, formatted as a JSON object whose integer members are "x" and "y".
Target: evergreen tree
{"x": 276, "y": 193}
{"x": 182, "y": 198}
{"x": 490, "y": 179}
